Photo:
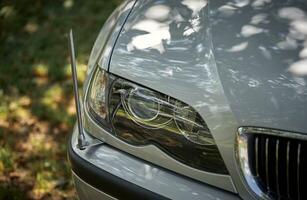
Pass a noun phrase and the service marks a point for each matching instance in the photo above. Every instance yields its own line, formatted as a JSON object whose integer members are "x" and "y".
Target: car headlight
{"x": 141, "y": 116}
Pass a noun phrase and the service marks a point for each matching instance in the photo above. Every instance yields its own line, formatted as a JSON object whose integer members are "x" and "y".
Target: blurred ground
{"x": 36, "y": 100}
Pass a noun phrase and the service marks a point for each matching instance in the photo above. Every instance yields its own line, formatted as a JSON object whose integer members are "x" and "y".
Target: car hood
{"x": 242, "y": 57}
{"x": 260, "y": 49}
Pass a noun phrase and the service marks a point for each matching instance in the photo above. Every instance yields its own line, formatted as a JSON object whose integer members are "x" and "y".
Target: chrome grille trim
{"x": 277, "y": 166}
{"x": 256, "y": 150}
{"x": 273, "y": 132}
{"x": 267, "y": 163}
{"x": 287, "y": 170}
{"x": 298, "y": 170}
{"x": 273, "y": 162}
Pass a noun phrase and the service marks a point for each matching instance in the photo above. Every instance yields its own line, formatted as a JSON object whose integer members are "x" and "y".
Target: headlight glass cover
{"x": 141, "y": 116}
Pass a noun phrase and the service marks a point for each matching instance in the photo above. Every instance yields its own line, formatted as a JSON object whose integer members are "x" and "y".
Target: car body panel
{"x": 155, "y": 155}
{"x": 190, "y": 61}
{"x": 86, "y": 191}
{"x": 143, "y": 174}
{"x": 261, "y": 61}
{"x": 108, "y": 35}
{"x": 219, "y": 57}
{"x": 181, "y": 66}
{"x": 180, "y": 52}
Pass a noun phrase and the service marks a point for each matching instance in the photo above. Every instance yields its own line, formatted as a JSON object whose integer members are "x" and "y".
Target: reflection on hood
{"x": 262, "y": 60}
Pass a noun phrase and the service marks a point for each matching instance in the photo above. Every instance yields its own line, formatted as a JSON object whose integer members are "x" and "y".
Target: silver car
{"x": 195, "y": 99}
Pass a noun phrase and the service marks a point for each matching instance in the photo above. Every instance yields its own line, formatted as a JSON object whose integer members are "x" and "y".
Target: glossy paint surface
{"x": 237, "y": 62}
{"x": 155, "y": 155}
{"x": 107, "y": 36}
{"x": 172, "y": 53}
{"x": 259, "y": 48}
{"x": 137, "y": 171}
{"x": 86, "y": 191}
{"x": 143, "y": 174}
{"x": 262, "y": 61}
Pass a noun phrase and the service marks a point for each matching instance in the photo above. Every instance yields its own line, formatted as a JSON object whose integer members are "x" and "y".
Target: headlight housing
{"x": 141, "y": 116}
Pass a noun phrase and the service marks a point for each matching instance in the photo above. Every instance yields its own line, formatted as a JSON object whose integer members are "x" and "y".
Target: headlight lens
{"x": 140, "y": 116}
{"x": 142, "y": 105}
{"x": 97, "y": 96}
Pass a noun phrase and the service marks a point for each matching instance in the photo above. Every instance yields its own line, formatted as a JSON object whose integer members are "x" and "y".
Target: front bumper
{"x": 103, "y": 172}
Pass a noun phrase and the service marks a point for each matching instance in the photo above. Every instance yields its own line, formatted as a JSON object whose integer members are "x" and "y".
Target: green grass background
{"x": 36, "y": 99}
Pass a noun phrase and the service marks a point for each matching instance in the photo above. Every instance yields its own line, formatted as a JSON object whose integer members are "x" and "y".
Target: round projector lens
{"x": 143, "y": 105}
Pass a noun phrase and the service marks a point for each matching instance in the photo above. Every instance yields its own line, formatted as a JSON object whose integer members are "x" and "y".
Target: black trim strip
{"x": 107, "y": 182}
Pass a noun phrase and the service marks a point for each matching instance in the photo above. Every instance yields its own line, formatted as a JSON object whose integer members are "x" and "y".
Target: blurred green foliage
{"x": 36, "y": 100}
